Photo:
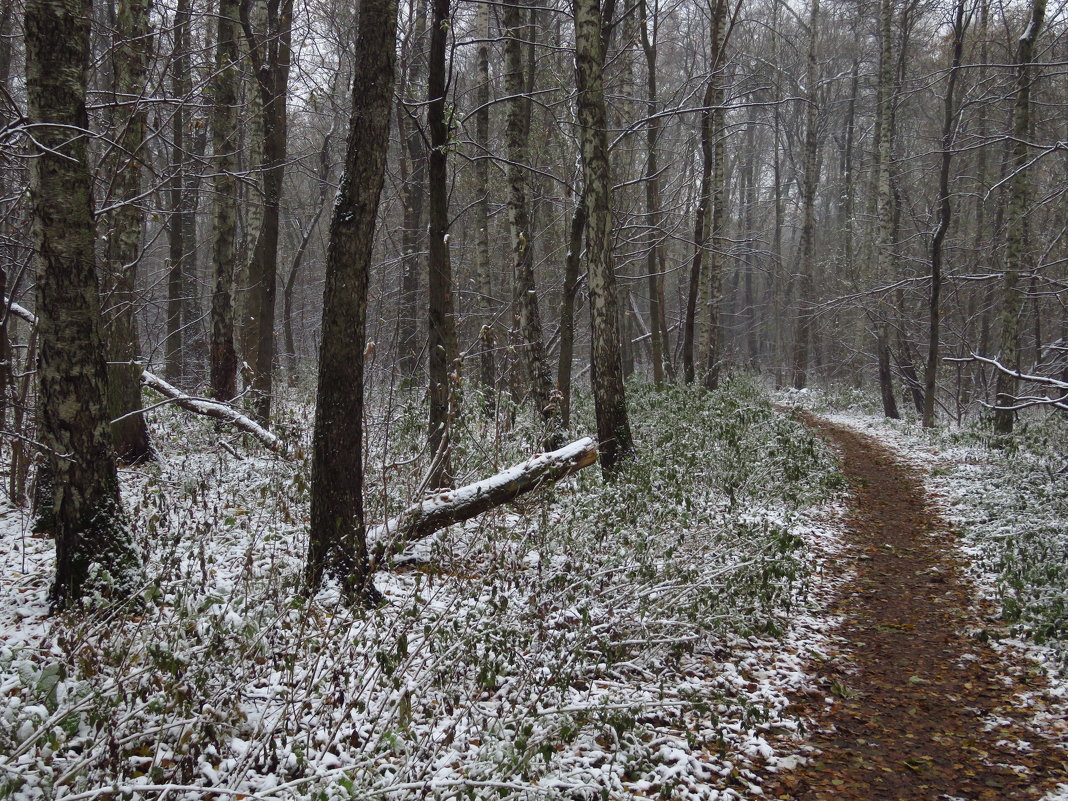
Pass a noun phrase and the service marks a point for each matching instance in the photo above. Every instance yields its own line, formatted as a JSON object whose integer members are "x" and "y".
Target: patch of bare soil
{"x": 924, "y": 707}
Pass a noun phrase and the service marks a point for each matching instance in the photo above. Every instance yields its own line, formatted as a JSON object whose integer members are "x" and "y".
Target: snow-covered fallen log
{"x": 454, "y": 506}
{"x": 214, "y": 409}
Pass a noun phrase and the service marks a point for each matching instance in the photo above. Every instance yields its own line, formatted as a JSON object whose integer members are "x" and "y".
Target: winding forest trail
{"x": 923, "y": 707}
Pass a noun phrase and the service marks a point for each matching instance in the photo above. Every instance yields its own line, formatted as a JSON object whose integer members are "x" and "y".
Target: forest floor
{"x": 926, "y": 704}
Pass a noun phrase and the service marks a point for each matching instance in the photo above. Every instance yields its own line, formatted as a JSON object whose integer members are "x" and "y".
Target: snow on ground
{"x": 640, "y": 639}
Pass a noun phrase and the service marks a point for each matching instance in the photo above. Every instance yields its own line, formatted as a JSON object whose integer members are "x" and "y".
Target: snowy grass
{"x": 621, "y": 640}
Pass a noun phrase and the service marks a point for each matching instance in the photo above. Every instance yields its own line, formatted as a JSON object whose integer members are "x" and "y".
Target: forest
{"x": 316, "y": 317}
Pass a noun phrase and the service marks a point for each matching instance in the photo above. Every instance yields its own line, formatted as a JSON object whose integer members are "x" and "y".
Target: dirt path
{"x": 923, "y": 707}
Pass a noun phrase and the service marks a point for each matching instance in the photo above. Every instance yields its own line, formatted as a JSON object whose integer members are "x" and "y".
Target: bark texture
{"x": 131, "y": 53}
{"x": 93, "y": 548}
{"x": 538, "y": 374}
{"x": 224, "y": 220}
{"x": 337, "y": 544}
{"x": 606, "y": 369}
{"x": 269, "y": 51}
{"x": 444, "y": 354}
{"x": 1016, "y": 224}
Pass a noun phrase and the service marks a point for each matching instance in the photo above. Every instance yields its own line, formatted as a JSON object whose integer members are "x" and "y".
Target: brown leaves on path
{"x": 923, "y": 707}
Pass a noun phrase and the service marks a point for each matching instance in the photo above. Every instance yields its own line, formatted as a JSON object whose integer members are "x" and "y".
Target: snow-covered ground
{"x": 639, "y": 639}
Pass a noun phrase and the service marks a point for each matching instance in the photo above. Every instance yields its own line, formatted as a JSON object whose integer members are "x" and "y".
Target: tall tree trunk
{"x": 177, "y": 281}
{"x": 567, "y": 308}
{"x": 693, "y": 292}
{"x": 337, "y": 544}
{"x": 539, "y": 376}
{"x": 413, "y": 162}
{"x": 606, "y": 368}
{"x": 749, "y": 233}
{"x": 884, "y": 199}
{"x": 444, "y": 351}
{"x": 131, "y": 53}
{"x": 269, "y": 52}
{"x": 710, "y": 339}
{"x": 93, "y": 549}
{"x": 654, "y": 254}
{"x": 805, "y": 281}
{"x": 1016, "y": 224}
{"x": 945, "y": 212}
{"x": 225, "y": 143}
{"x": 487, "y": 340}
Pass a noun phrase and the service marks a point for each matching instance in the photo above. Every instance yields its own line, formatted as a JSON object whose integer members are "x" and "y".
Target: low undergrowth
{"x": 582, "y": 644}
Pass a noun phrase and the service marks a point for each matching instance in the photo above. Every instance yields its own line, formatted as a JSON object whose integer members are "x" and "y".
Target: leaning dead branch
{"x": 216, "y": 410}
{"x": 454, "y": 506}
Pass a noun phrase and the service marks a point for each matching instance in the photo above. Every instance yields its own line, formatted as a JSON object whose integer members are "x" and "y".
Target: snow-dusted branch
{"x": 1041, "y": 380}
{"x": 454, "y": 506}
{"x": 214, "y": 409}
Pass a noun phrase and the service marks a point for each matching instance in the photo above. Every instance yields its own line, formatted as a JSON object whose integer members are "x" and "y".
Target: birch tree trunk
{"x": 337, "y": 544}
{"x": 93, "y": 546}
{"x": 606, "y": 369}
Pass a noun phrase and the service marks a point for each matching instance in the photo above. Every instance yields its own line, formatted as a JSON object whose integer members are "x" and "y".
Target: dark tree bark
{"x": 337, "y": 546}
{"x": 1016, "y": 226}
{"x": 654, "y": 258}
{"x": 444, "y": 351}
{"x": 130, "y": 56}
{"x": 712, "y": 287}
{"x": 606, "y": 369}
{"x": 269, "y": 52}
{"x": 413, "y": 165}
{"x": 178, "y": 284}
{"x": 945, "y": 212}
{"x": 224, "y": 220}
{"x": 93, "y": 548}
{"x": 487, "y": 341}
{"x": 884, "y": 198}
{"x": 806, "y": 279}
{"x": 572, "y": 279}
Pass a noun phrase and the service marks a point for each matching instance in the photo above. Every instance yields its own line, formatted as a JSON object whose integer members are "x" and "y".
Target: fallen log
{"x": 209, "y": 408}
{"x": 455, "y": 506}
